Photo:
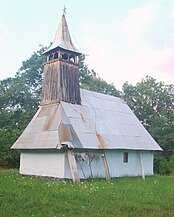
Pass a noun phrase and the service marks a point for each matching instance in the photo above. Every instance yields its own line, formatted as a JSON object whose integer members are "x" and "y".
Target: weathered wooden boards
{"x": 106, "y": 168}
{"x": 61, "y": 83}
{"x": 141, "y": 165}
{"x": 72, "y": 157}
{"x": 73, "y": 166}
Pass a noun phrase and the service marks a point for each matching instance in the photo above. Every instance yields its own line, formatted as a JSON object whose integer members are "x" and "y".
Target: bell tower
{"x": 61, "y": 70}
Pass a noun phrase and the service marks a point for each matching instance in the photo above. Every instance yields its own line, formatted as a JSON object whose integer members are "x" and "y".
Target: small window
{"x": 50, "y": 57}
{"x": 65, "y": 56}
{"x": 56, "y": 55}
{"x": 125, "y": 157}
{"x": 72, "y": 59}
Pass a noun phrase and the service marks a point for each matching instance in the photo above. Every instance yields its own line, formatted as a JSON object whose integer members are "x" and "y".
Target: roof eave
{"x": 60, "y": 48}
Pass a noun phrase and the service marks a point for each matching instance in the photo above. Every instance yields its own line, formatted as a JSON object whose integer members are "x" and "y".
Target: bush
{"x": 7, "y": 138}
{"x": 162, "y": 166}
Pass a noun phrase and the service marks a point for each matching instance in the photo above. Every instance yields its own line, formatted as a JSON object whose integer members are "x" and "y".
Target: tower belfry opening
{"x": 61, "y": 70}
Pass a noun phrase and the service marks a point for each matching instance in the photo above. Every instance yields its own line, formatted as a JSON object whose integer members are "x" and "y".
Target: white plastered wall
{"x": 117, "y": 167}
{"x": 55, "y": 164}
{"x": 42, "y": 163}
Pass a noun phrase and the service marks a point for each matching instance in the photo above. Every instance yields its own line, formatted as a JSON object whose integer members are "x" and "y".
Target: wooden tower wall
{"x": 60, "y": 83}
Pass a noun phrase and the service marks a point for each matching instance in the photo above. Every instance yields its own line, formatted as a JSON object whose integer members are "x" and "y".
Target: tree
{"x": 7, "y": 138}
{"x": 153, "y": 103}
{"x": 19, "y": 100}
{"x": 19, "y": 96}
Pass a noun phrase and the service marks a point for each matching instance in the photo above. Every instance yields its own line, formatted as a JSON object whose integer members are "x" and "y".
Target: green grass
{"x": 124, "y": 197}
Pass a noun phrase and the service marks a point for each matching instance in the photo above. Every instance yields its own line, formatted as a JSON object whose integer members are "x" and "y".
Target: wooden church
{"x": 78, "y": 134}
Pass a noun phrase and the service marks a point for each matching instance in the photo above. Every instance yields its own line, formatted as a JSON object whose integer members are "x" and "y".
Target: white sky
{"x": 124, "y": 40}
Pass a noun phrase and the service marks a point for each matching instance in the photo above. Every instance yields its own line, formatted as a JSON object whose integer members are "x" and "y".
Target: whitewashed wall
{"x": 55, "y": 164}
{"x": 116, "y": 166}
{"x": 118, "y": 169}
{"x": 42, "y": 164}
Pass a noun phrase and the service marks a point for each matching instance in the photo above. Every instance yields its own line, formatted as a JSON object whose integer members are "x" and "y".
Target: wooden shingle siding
{"x": 61, "y": 83}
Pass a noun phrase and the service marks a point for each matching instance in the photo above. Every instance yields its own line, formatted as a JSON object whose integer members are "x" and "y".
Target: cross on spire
{"x": 64, "y": 10}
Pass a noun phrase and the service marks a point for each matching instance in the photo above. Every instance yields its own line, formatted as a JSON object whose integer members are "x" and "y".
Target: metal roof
{"x": 106, "y": 122}
{"x": 101, "y": 122}
{"x": 63, "y": 38}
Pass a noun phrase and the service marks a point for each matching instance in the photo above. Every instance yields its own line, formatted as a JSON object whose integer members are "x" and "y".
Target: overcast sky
{"x": 124, "y": 40}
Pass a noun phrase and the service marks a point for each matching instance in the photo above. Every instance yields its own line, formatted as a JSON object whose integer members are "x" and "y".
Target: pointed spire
{"x": 64, "y": 10}
{"x": 63, "y": 38}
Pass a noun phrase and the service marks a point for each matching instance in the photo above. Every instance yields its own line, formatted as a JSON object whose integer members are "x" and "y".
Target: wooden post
{"x": 142, "y": 166}
{"x": 81, "y": 167}
{"x": 106, "y": 168}
{"x": 90, "y": 169}
{"x": 73, "y": 166}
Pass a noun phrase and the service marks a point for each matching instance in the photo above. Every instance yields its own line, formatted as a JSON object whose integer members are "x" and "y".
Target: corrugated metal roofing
{"x": 101, "y": 122}
{"x": 107, "y": 122}
{"x": 63, "y": 38}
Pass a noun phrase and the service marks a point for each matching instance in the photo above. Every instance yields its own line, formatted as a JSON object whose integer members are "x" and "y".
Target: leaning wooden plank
{"x": 73, "y": 166}
{"x": 106, "y": 168}
{"x": 90, "y": 169}
{"x": 80, "y": 164}
{"x": 141, "y": 166}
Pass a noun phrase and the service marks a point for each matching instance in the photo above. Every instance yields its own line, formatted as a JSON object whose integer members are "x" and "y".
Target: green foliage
{"x": 153, "y": 103}
{"x": 172, "y": 164}
{"x": 133, "y": 197}
{"x": 162, "y": 165}
{"x": 19, "y": 100}
{"x": 32, "y": 72}
{"x": 7, "y": 138}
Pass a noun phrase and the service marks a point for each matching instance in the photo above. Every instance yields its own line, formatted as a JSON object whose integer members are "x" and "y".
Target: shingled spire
{"x": 61, "y": 71}
{"x": 63, "y": 39}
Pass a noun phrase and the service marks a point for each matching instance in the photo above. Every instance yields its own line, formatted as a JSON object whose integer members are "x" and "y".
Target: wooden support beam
{"x": 90, "y": 169}
{"x": 106, "y": 168}
{"x": 141, "y": 166}
{"x": 73, "y": 166}
{"x": 80, "y": 163}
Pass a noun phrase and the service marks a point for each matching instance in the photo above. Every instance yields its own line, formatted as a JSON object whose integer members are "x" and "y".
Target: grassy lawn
{"x": 120, "y": 197}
